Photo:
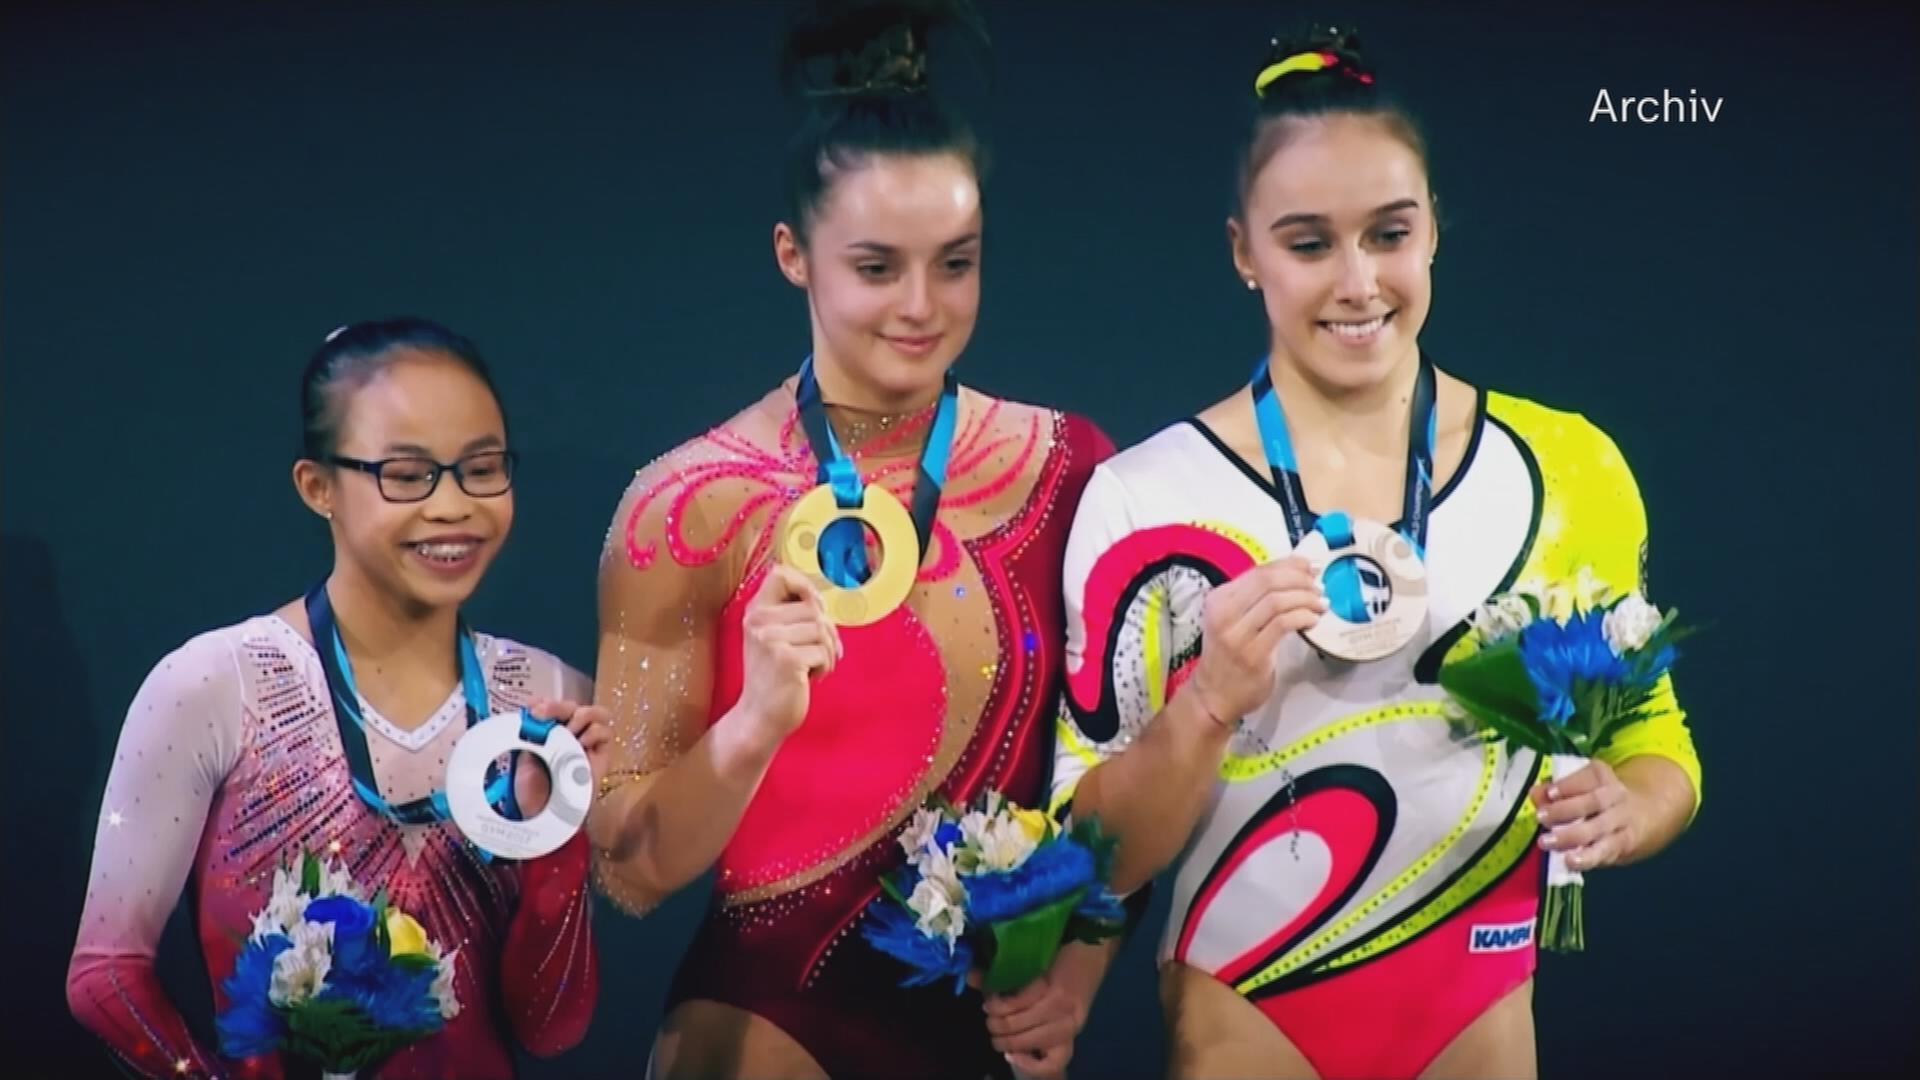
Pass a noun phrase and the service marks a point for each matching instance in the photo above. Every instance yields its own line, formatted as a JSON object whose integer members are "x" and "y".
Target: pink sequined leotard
{"x": 949, "y": 694}
{"x": 230, "y": 762}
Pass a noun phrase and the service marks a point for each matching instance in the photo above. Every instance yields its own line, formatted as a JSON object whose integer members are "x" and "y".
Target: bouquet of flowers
{"x": 997, "y": 888}
{"x": 1560, "y": 669}
{"x": 328, "y": 977}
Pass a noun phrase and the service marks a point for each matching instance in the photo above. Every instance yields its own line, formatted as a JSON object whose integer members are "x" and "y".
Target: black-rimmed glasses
{"x": 413, "y": 479}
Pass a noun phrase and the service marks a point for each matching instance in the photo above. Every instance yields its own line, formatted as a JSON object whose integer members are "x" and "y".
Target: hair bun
{"x": 849, "y": 47}
{"x": 1320, "y": 53}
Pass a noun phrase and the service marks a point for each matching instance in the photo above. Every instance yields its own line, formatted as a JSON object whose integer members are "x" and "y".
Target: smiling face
{"x": 891, "y": 265}
{"x": 1338, "y": 234}
{"x": 428, "y": 408}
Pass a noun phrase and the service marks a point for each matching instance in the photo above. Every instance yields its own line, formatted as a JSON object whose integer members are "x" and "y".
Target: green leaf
{"x": 338, "y": 1035}
{"x": 309, "y": 874}
{"x": 1087, "y": 833}
{"x": 381, "y": 936}
{"x": 327, "y": 1031}
{"x": 892, "y": 890}
{"x": 1563, "y": 924}
{"x": 1492, "y": 685}
{"x": 1495, "y": 678}
{"x": 1519, "y": 732}
{"x": 1024, "y": 948}
{"x": 414, "y": 962}
{"x": 1641, "y": 708}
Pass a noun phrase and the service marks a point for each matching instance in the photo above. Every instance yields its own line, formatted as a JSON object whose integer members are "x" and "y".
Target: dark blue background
{"x": 193, "y": 197}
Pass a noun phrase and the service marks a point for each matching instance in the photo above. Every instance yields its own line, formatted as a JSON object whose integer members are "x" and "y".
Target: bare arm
{"x": 1149, "y": 771}
{"x": 1664, "y": 798}
{"x": 678, "y": 786}
{"x": 1152, "y": 794}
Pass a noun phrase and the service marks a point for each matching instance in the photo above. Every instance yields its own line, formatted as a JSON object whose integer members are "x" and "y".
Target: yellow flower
{"x": 1036, "y": 824}
{"x": 405, "y": 937}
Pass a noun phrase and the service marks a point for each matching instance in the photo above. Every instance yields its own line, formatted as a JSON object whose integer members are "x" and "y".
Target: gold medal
{"x": 903, "y": 535}
{"x": 798, "y": 546}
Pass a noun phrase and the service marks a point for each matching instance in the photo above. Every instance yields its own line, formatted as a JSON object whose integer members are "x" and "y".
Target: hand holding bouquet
{"x": 331, "y": 978}
{"x": 998, "y": 888}
{"x": 1560, "y": 669}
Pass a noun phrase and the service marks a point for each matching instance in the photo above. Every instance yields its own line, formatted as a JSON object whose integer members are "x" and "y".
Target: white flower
{"x": 264, "y": 926}
{"x": 972, "y": 826}
{"x": 1555, "y": 598}
{"x": 1503, "y": 616}
{"x": 1631, "y": 624}
{"x": 918, "y": 834}
{"x": 966, "y": 853}
{"x": 939, "y": 901}
{"x": 932, "y": 858}
{"x": 285, "y": 907}
{"x": 1004, "y": 844}
{"x": 1561, "y": 601}
{"x": 940, "y": 866}
{"x": 300, "y": 971}
{"x": 335, "y": 881}
{"x": 442, "y": 988}
{"x": 1589, "y": 592}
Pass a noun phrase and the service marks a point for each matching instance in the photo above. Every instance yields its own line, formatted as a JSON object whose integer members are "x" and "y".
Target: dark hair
{"x": 859, "y": 69}
{"x": 1330, "y": 77}
{"x": 351, "y": 356}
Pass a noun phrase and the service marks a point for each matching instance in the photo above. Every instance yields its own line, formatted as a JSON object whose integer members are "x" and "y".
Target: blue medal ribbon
{"x": 352, "y": 726}
{"x": 1342, "y": 578}
{"x": 843, "y": 547}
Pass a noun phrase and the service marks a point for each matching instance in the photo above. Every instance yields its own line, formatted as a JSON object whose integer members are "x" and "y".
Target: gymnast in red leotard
{"x": 781, "y": 748}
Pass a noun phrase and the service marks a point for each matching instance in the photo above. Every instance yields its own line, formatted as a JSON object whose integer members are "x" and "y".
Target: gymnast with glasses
{"x": 326, "y": 726}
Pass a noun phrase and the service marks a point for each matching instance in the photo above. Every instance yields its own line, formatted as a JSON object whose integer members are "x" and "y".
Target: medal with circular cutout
{"x": 1375, "y": 577}
{"x": 802, "y": 536}
{"x": 815, "y": 538}
{"x": 570, "y": 795}
{"x": 1376, "y": 588}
